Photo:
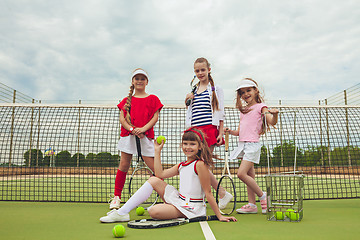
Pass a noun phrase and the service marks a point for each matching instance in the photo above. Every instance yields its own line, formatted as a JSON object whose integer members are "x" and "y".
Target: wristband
{"x": 131, "y": 129}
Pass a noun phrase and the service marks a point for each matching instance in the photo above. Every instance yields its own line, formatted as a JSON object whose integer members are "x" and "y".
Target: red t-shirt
{"x": 142, "y": 110}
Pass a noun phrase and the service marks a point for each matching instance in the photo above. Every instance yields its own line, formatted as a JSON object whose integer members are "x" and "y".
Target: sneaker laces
{"x": 246, "y": 206}
{"x": 112, "y": 196}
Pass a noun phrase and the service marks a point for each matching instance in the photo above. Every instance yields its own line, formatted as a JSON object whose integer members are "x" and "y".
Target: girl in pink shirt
{"x": 249, "y": 130}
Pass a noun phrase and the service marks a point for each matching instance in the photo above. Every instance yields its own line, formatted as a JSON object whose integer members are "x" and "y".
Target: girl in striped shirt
{"x": 206, "y": 112}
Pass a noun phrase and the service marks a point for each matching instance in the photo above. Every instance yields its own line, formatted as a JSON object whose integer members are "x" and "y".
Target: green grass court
{"x": 323, "y": 219}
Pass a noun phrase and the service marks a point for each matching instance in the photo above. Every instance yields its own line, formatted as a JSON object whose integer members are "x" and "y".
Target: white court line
{"x": 207, "y": 231}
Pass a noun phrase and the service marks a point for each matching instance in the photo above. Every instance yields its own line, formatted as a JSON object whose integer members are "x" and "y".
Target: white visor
{"x": 139, "y": 71}
{"x": 246, "y": 83}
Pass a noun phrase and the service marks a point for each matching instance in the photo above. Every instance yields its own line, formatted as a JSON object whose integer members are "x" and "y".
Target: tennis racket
{"x": 193, "y": 88}
{"x": 226, "y": 185}
{"x": 140, "y": 175}
{"x": 152, "y": 223}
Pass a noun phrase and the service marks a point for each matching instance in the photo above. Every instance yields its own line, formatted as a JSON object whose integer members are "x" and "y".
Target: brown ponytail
{"x": 214, "y": 101}
{"x": 127, "y": 106}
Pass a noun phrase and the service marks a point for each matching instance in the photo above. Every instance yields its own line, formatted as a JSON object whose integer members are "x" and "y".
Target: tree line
{"x": 281, "y": 155}
{"x": 65, "y": 159}
{"x": 284, "y": 155}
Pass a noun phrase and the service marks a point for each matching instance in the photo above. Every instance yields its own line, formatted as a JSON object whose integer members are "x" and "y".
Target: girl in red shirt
{"x": 139, "y": 112}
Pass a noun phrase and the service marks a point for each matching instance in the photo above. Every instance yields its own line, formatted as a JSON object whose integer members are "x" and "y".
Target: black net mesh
{"x": 83, "y": 159}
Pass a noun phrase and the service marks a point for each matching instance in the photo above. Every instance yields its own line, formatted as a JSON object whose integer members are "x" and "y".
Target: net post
{"x": 347, "y": 128}
{"x": 321, "y": 136}
{"x": 12, "y": 128}
{"x": 38, "y": 138}
{"x": 328, "y": 132}
{"x": 31, "y": 131}
{"x": 78, "y": 139}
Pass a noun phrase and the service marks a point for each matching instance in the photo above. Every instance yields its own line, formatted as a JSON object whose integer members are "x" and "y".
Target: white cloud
{"x": 78, "y": 49}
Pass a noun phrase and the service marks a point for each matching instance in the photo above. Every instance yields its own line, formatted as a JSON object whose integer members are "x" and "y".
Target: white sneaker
{"x": 225, "y": 200}
{"x": 114, "y": 216}
{"x": 114, "y": 202}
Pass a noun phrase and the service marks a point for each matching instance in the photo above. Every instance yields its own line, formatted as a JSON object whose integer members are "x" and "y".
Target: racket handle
{"x": 211, "y": 218}
{"x": 226, "y": 141}
{"x": 188, "y": 102}
{"x": 203, "y": 218}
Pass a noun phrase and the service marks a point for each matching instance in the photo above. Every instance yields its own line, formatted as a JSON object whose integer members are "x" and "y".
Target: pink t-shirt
{"x": 251, "y": 124}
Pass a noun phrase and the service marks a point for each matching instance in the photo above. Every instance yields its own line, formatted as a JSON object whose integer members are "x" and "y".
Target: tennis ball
{"x": 287, "y": 213}
{"x": 140, "y": 211}
{"x": 159, "y": 139}
{"x": 118, "y": 230}
{"x": 294, "y": 216}
{"x": 279, "y": 215}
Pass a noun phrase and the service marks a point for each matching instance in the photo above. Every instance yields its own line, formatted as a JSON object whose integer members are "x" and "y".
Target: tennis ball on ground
{"x": 159, "y": 139}
{"x": 294, "y": 216}
{"x": 118, "y": 230}
{"x": 287, "y": 213}
{"x": 140, "y": 211}
{"x": 279, "y": 215}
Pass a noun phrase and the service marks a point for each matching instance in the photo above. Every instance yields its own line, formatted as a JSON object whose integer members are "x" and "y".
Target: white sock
{"x": 252, "y": 205}
{"x": 139, "y": 197}
{"x": 263, "y": 197}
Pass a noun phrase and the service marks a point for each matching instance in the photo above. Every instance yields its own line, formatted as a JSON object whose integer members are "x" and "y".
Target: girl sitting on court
{"x": 249, "y": 130}
{"x": 194, "y": 186}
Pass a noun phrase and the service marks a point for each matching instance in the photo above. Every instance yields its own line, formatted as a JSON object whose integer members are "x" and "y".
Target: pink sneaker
{"x": 247, "y": 209}
{"x": 263, "y": 205}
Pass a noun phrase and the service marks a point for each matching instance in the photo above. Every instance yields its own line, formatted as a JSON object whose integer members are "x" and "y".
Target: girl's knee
{"x": 241, "y": 175}
{"x": 153, "y": 180}
{"x": 154, "y": 212}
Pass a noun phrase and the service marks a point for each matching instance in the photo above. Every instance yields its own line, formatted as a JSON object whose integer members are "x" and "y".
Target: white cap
{"x": 139, "y": 71}
{"x": 246, "y": 83}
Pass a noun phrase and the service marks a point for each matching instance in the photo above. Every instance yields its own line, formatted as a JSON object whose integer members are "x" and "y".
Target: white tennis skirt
{"x": 128, "y": 145}
{"x": 248, "y": 151}
{"x": 186, "y": 207}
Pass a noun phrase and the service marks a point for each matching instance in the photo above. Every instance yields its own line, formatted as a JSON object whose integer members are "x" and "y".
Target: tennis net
{"x": 52, "y": 152}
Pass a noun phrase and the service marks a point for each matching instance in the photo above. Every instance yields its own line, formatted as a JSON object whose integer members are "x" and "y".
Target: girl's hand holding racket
{"x": 189, "y": 96}
{"x": 219, "y": 140}
{"x": 274, "y": 111}
{"x": 227, "y": 219}
{"x": 138, "y": 132}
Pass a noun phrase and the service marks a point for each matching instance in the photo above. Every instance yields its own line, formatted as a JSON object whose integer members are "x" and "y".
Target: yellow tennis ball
{"x": 140, "y": 211}
{"x": 287, "y": 213}
{"x": 118, "y": 230}
{"x": 159, "y": 139}
{"x": 279, "y": 215}
{"x": 294, "y": 216}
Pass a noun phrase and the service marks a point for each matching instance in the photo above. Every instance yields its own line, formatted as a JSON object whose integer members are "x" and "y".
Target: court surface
{"x": 323, "y": 219}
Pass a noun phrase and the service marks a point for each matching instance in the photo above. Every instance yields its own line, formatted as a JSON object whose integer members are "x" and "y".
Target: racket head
{"x": 153, "y": 223}
{"x": 226, "y": 184}
{"x": 138, "y": 177}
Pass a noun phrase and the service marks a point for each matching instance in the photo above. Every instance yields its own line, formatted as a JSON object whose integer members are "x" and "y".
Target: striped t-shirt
{"x": 201, "y": 110}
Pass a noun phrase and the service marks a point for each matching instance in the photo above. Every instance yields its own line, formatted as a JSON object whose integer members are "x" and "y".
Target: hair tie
{"x": 213, "y": 88}
{"x": 196, "y": 132}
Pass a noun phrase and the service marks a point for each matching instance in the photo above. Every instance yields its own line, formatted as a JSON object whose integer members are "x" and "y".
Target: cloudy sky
{"x": 87, "y": 49}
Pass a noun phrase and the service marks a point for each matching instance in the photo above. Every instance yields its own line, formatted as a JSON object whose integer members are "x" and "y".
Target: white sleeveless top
{"x": 190, "y": 186}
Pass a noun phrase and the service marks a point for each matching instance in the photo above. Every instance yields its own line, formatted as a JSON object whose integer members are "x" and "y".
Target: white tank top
{"x": 190, "y": 186}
